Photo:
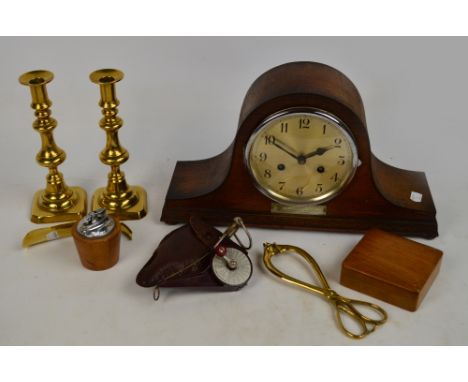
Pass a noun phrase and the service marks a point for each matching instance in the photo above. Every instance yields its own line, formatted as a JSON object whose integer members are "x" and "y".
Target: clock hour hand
{"x": 282, "y": 146}
{"x": 319, "y": 151}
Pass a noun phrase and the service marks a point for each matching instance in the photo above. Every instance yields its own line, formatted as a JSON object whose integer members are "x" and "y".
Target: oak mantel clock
{"x": 301, "y": 159}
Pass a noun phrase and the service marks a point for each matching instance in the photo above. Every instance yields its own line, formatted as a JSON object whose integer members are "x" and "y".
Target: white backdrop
{"x": 180, "y": 100}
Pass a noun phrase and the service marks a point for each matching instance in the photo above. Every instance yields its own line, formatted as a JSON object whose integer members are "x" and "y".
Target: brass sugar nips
{"x": 342, "y": 304}
{"x": 118, "y": 198}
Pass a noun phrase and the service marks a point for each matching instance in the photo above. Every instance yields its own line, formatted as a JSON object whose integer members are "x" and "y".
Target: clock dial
{"x": 302, "y": 156}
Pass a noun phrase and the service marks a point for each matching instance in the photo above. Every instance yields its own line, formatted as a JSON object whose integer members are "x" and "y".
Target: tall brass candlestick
{"x": 57, "y": 202}
{"x": 127, "y": 202}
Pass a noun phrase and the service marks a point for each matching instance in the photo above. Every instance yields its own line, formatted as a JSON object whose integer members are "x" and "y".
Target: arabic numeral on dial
{"x": 284, "y": 127}
{"x": 270, "y": 139}
{"x": 281, "y": 185}
{"x": 341, "y": 160}
{"x": 319, "y": 187}
{"x": 262, "y": 157}
{"x": 335, "y": 177}
{"x": 304, "y": 123}
{"x": 338, "y": 141}
{"x": 267, "y": 173}
{"x": 324, "y": 129}
{"x": 299, "y": 191}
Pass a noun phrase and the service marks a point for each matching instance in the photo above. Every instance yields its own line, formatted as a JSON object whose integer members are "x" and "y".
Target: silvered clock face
{"x": 301, "y": 156}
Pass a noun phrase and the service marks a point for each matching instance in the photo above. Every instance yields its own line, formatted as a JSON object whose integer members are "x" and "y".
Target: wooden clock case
{"x": 220, "y": 188}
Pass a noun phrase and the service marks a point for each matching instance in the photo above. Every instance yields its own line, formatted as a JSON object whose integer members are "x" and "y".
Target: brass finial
{"x": 127, "y": 202}
{"x": 57, "y": 202}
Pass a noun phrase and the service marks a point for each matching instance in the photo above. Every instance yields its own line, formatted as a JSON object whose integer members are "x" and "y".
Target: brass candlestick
{"x": 57, "y": 202}
{"x": 127, "y": 202}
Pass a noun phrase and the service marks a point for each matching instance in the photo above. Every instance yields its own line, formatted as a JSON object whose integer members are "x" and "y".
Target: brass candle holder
{"x": 57, "y": 202}
{"x": 118, "y": 198}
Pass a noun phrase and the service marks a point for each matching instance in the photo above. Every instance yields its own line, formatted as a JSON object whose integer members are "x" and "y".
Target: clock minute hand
{"x": 319, "y": 151}
{"x": 282, "y": 146}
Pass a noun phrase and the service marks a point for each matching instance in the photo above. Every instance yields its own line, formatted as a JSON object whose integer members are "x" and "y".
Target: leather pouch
{"x": 186, "y": 256}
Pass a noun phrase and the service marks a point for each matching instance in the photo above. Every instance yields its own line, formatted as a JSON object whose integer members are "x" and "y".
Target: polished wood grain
{"x": 219, "y": 188}
{"x": 391, "y": 268}
{"x": 99, "y": 253}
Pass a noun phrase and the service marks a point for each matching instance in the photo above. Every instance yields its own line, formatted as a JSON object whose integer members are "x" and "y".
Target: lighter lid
{"x": 96, "y": 224}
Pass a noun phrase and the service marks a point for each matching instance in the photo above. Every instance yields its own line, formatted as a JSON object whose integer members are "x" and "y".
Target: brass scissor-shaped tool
{"x": 342, "y": 304}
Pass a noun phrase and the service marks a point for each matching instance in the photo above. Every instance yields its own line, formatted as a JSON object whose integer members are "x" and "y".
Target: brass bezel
{"x": 300, "y": 111}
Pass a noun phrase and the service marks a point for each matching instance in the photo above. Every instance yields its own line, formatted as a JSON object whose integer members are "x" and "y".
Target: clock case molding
{"x": 220, "y": 188}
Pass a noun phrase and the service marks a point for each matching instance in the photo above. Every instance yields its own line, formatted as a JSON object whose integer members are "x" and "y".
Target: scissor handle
{"x": 367, "y": 325}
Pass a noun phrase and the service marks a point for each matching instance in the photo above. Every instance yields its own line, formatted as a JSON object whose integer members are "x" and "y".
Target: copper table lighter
{"x": 97, "y": 239}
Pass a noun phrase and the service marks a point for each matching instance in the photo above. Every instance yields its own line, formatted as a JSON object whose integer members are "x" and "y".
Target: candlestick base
{"x": 75, "y": 212}
{"x": 121, "y": 207}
